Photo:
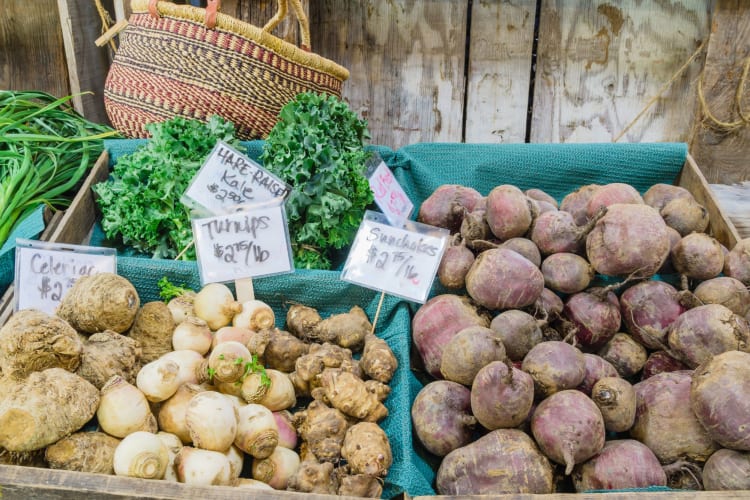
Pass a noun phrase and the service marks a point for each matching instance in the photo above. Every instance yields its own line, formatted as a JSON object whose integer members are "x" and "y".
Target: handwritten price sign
{"x": 399, "y": 261}
{"x": 388, "y": 193}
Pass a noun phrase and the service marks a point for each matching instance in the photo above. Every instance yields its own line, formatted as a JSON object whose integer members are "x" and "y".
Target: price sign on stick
{"x": 228, "y": 178}
{"x": 250, "y": 243}
{"x": 395, "y": 260}
{"x": 46, "y": 271}
{"x": 387, "y": 192}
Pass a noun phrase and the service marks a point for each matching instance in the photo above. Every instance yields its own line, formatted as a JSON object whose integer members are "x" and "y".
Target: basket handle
{"x": 213, "y": 7}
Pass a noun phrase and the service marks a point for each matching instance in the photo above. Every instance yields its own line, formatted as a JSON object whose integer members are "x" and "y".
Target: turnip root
{"x": 282, "y": 350}
{"x": 729, "y": 292}
{"x": 181, "y": 306}
{"x": 442, "y": 418}
{"x": 625, "y": 353}
{"x": 190, "y": 363}
{"x": 610, "y": 194}
{"x": 568, "y": 427}
{"x": 202, "y": 467}
{"x": 83, "y": 452}
{"x": 378, "y": 361}
{"x": 273, "y": 389}
{"x": 622, "y": 464}
{"x": 698, "y": 256}
{"x": 152, "y": 328}
{"x": 577, "y": 203}
{"x": 727, "y": 470}
{"x": 660, "y": 362}
{"x": 665, "y": 422}
{"x": 719, "y": 396}
{"x": 593, "y": 319}
{"x": 705, "y": 331}
{"x": 501, "y": 396}
{"x": 540, "y": 195}
{"x": 277, "y": 468}
{"x": 468, "y": 351}
{"x": 254, "y": 315}
{"x": 455, "y": 263}
{"x": 508, "y": 212}
{"x": 226, "y": 333}
{"x": 108, "y": 353}
{"x": 82, "y": 305}
{"x": 446, "y": 206}
{"x": 660, "y": 194}
{"x": 172, "y": 412}
{"x": 257, "y": 432}
{"x": 43, "y": 408}
{"x": 437, "y": 321}
{"x": 367, "y": 450}
{"x": 211, "y": 420}
{"x": 648, "y": 308}
{"x": 630, "y": 240}
{"x": 503, "y": 279}
{"x": 596, "y": 369}
{"x": 226, "y": 363}
{"x": 159, "y": 379}
{"x": 555, "y": 232}
{"x": 33, "y": 341}
{"x": 313, "y": 477}
{"x": 192, "y": 333}
{"x": 685, "y": 215}
{"x": 236, "y": 462}
{"x": 323, "y": 429}
{"x": 525, "y": 247}
{"x": 737, "y": 262}
{"x": 616, "y": 399}
{"x": 567, "y": 272}
{"x": 555, "y": 366}
{"x": 174, "y": 445}
{"x": 348, "y": 393}
{"x": 502, "y": 461}
{"x": 124, "y": 409}
{"x": 215, "y": 304}
{"x": 141, "y": 454}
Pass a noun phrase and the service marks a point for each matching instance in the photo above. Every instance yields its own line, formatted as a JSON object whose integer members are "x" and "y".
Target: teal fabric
{"x": 30, "y": 228}
{"x": 420, "y": 168}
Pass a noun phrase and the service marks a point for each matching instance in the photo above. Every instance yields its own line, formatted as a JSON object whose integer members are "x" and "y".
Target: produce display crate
{"x": 420, "y": 168}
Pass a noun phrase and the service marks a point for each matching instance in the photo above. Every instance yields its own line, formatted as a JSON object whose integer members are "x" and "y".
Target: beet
{"x": 503, "y": 279}
{"x": 468, "y": 351}
{"x": 568, "y": 427}
{"x": 442, "y": 416}
{"x": 548, "y": 306}
{"x": 540, "y": 195}
{"x": 474, "y": 226}
{"x": 674, "y": 239}
{"x": 595, "y": 320}
{"x": 727, "y": 470}
{"x": 705, "y": 331}
{"x": 615, "y": 398}
{"x": 501, "y": 396}
{"x": 437, "y": 321}
{"x": 525, "y": 247}
{"x": 519, "y": 332}
{"x": 648, "y": 308}
{"x": 622, "y": 464}
{"x": 611, "y": 194}
{"x": 698, "y": 256}
{"x": 508, "y": 212}
{"x": 447, "y": 205}
{"x": 577, "y": 203}
{"x": 555, "y": 232}
{"x": 502, "y": 461}
{"x": 596, "y": 369}
{"x": 737, "y": 262}
{"x": 625, "y": 353}
{"x": 665, "y": 422}
{"x": 454, "y": 265}
{"x": 719, "y": 395}
{"x": 660, "y": 194}
{"x": 685, "y": 215}
{"x": 554, "y": 366}
{"x": 729, "y": 292}
{"x": 628, "y": 240}
{"x": 567, "y": 272}
{"x": 660, "y": 362}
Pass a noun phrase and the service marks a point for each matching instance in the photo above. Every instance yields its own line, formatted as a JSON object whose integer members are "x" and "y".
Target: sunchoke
{"x": 367, "y": 450}
{"x": 323, "y": 429}
{"x": 348, "y": 393}
{"x": 314, "y": 477}
{"x": 282, "y": 350}
{"x": 378, "y": 360}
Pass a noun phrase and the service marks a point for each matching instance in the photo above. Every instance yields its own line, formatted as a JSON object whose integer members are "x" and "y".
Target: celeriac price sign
{"x": 46, "y": 271}
{"x": 400, "y": 261}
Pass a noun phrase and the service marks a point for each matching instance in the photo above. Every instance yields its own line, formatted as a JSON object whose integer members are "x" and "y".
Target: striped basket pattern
{"x": 174, "y": 65}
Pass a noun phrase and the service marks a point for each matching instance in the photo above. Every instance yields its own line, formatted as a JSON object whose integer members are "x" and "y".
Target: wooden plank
{"x": 406, "y": 59}
{"x": 32, "y": 55}
{"x": 723, "y": 155}
{"x": 87, "y": 64}
{"x": 600, "y": 62}
{"x": 501, "y": 39}
{"x": 613, "y": 495}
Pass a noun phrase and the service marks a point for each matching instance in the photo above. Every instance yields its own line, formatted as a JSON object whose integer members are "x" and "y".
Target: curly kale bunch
{"x": 317, "y": 147}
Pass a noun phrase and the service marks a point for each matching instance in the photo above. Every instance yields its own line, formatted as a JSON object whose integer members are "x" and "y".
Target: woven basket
{"x": 182, "y": 60}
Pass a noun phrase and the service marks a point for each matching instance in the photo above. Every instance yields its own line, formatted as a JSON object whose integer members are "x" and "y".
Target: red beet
{"x": 548, "y": 306}
{"x": 567, "y": 272}
{"x": 503, "y": 279}
{"x": 685, "y": 215}
{"x": 519, "y": 332}
{"x": 454, "y": 265}
{"x": 555, "y": 366}
{"x": 628, "y": 240}
{"x": 674, "y": 239}
{"x": 442, "y": 419}
{"x": 698, "y": 256}
{"x": 468, "y": 351}
{"x": 501, "y": 396}
{"x": 577, "y": 203}
{"x": 660, "y": 362}
{"x": 568, "y": 427}
{"x": 665, "y": 422}
{"x": 615, "y": 398}
{"x": 729, "y": 292}
{"x": 727, "y": 470}
{"x": 611, "y": 194}
{"x": 508, "y": 212}
{"x": 540, "y": 195}
{"x": 737, "y": 262}
{"x": 622, "y": 464}
{"x": 437, "y": 321}
{"x": 719, "y": 393}
{"x": 596, "y": 369}
{"x": 705, "y": 331}
{"x": 660, "y": 194}
{"x": 595, "y": 320}
{"x": 625, "y": 353}
{"x": 475, "y": 227}
{"x": 525, "y": 247}
{"x": 447, "y": 205}
{"x": 648, "y": 308}
{"x": 555, "y": 232}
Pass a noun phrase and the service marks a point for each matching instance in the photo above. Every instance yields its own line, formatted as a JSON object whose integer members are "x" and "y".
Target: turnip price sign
{"x": 228, "y": 178}
{"x": 387, "y": 192}
{"x": 46, "y": 271}
{"x": 399, "y": 261}
{"x": 246, "y": 244}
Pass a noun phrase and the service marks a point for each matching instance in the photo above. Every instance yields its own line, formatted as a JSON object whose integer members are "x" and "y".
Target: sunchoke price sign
{"x": 228, "y": 178}
{"x": 387, "y": 192}
{"x": 46, "y": 271}
{"x": 246, "y": 244}
{"x": 400, "y": 261}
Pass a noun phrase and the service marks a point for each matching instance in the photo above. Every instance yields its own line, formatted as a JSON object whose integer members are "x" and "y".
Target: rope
{"x": 712, "y": 120}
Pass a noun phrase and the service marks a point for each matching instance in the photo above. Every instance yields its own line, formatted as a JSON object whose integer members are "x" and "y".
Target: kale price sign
{"x": 249, "y": 243}
{"x": 228, "y": 178}
{"x": 46, "y": 271}
{"x": 401, "y": 261}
